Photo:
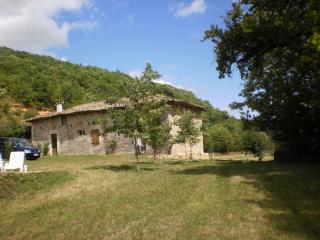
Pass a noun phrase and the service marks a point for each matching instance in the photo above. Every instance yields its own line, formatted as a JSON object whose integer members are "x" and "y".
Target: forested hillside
{"x": 42, "y": 81}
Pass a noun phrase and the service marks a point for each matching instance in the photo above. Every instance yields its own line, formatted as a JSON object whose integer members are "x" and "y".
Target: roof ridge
{"x": 102, "y": 105}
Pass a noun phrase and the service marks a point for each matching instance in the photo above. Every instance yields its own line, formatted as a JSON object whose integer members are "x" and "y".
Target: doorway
{"x": 54, "y": 144}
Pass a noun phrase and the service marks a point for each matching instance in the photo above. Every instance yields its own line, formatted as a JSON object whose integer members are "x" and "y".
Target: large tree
{"x": 276, "y": 47}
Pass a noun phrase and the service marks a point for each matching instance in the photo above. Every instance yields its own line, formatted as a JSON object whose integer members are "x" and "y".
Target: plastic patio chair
{"x": 16, "y": 161}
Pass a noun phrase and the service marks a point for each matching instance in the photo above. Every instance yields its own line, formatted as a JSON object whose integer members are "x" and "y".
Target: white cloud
{"x": 32, "y": 25}
{"x": 129, "y": 22}
{"x": 185, "y": 10}
{"x": 135, "y": 73}
{"x": 165, "y": 79}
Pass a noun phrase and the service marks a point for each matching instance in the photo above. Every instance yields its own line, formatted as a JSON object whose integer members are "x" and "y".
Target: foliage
{"x": 30, "y": 113}
{"x": 275, "y": 45}
{"x": 223, "y": 135}
{"x": 112, "y": 145}
{"x": 9, "y": 121}
{"x": 7, "y": 149}
{"x": 45, "y": 149}
{"x": 189, "y": 132}
{"x": 42, "y": 81}
{"x": 39, "y": 146}
{"x": 141, "y": 113}
{"x": 158, "y": 135}
{"x": 257, "y": 143}
{"x": 219, "y": 139}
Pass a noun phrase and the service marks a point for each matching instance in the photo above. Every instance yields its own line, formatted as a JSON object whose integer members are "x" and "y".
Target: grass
{"x": 105, "y": 197}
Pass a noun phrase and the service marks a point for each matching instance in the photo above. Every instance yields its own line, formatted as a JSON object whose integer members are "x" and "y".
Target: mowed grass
{"x": 105, "y": 197}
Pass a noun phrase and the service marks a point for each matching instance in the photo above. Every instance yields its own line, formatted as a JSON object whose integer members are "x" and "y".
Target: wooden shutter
{"x": 95, "y": 137}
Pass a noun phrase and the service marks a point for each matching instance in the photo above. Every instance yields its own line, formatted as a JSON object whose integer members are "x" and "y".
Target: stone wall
{"x": 70, "y": 142}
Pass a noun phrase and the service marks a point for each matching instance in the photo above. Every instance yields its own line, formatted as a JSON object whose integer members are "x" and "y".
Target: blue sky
{"x": 125, "y": 35}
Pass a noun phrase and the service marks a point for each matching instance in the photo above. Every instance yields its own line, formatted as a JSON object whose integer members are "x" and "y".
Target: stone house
{"x": 76, "y": 130}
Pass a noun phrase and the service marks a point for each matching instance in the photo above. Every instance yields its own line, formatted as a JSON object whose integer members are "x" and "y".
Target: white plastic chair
{"x": 16, "y": 161}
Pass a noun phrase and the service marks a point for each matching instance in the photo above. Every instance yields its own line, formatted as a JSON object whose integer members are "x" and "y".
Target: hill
{"x": 41, "y": 81}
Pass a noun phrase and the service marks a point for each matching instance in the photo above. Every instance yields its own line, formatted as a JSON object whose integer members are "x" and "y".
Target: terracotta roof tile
{"x": 103, "y": 106}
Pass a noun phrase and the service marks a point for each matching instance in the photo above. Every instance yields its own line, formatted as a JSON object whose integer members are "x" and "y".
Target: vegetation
{"x": 215, "y": 199}
{"x": 42, "y": 81}
{"x": 224, "y": 136}
{"x": 30, "y": 113}
{"x": 8, "y": 149}
{"x": 141, "y": 113}
{"x": 276, "y": 47}
{"x": 189, "y": 132}
{"x": 256, "y": 143}
{"x": 112, "y": 145}
{"x": 45, "y": 148}
{"x": 9, "y": 120}
{"x": 30, "y": 184}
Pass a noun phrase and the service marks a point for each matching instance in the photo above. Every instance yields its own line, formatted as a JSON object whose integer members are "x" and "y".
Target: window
{"x": 81, "y": 132}
{"x": 95, "y": 137}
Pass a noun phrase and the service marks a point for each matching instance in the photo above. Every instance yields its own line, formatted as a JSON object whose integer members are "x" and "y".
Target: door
{"x": 54, "y": 144}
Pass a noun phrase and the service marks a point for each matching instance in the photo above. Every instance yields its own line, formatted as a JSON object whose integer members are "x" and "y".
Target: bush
{"x": 39, "y": 146}
{"x": 221, "y": 140}
{"x": 7, "y": 150}
{"x": 256, "y": 143}
{"x": 45, "y": 149}
{"x": 224, "y": 137}
{"x": 112, "y": 146}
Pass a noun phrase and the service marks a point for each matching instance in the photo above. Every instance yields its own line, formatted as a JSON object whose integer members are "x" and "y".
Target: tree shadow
{"x": 177, "y": 162}
{"x": 121, "y": 168}
{"x": 291, "y": 190}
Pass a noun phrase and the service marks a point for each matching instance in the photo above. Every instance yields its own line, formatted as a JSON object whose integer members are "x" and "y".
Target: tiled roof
{"x": 103, "y": 106}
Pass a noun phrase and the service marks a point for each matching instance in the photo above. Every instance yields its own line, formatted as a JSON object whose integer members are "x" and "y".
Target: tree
{"x": 140, "y": 115}
{"x": 256, "y": 143}
{"x": 189, "y": 132}
{"x": 9, "y": 122}
{"x": 158, "y": 135}
{"x": 276, "y": 47}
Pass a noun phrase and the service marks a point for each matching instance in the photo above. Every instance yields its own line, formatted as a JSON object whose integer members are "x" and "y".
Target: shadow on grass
{"x": 292, "y": 191}
{"x": 121, "y": 168}
{"x": 177, "y": 162}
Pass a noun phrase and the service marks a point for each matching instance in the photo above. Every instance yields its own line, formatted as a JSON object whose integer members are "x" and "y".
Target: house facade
{"x": 77, "y": 131}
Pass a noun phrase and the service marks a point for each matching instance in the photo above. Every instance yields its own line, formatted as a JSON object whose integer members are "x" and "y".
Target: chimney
{"x": 60, "y": 107}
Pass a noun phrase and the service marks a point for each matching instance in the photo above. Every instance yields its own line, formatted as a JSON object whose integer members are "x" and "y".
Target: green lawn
{"x": 105, "y": 197}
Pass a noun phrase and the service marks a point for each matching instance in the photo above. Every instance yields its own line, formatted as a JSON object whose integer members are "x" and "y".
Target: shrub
{"x": 257, "y": 143}
{"x": 39, "y": 146}
{"x": 45, "y": 149}
{"x": 223, "y": 138}
{"x": 112, "y": 146}
{"x": 7, "y": 150}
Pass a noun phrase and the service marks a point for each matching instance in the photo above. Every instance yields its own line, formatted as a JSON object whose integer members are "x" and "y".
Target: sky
{"x": 124, "y": 35}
